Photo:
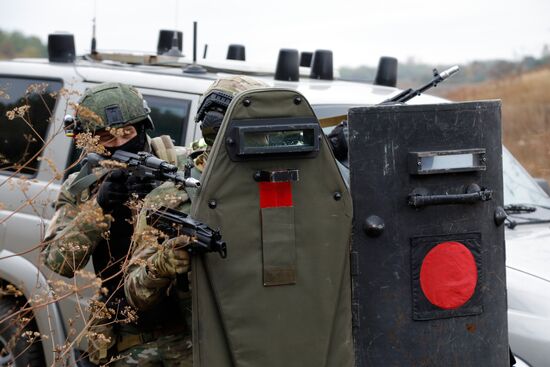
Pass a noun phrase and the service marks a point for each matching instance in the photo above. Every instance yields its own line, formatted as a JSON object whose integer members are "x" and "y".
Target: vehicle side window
{"x": 170, "y": 116}
{"x": 74, "y": 154}
{"x": 26, "y": 106}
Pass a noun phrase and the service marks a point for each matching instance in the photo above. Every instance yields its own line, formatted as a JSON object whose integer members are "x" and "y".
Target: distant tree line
{"x": 15, "y": 44}
{"x": 413, "y": 73}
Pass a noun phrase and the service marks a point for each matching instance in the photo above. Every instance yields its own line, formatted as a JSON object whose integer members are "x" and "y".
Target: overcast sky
{"x": 358, "y": 32}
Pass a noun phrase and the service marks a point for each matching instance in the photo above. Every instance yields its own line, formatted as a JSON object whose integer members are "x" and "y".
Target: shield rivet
{"x": 212, "y": 204}
{"x": 337, "y": 196}
{"x": 297, "y": 100}
{"x": 500, "y": 215}
{"x": 247, "y": 102}
{"x": 374, "y": 226}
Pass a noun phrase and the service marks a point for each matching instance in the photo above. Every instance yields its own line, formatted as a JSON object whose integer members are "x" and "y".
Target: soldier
{"x": 153, "y": 272}
{"x": 93, "y": 220}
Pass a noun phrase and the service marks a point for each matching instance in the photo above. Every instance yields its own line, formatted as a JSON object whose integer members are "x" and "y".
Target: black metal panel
{"x": 400, "y": 216}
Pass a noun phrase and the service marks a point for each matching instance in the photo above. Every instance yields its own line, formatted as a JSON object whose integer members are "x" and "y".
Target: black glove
{"x": 338, "y": 139}
{"x": 113, "y": 193}
{"x": 140, "y": 186}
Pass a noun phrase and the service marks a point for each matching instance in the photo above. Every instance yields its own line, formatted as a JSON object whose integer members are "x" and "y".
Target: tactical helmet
{"x": 216, "y": 99}
{"x": 108, "y": 105}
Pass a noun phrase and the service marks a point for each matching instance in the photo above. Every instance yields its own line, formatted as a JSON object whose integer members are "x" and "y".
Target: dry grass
{"x": 525, "y": 115}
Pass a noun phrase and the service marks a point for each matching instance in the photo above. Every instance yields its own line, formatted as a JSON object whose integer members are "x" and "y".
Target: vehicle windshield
{"x": 519, "y": 186}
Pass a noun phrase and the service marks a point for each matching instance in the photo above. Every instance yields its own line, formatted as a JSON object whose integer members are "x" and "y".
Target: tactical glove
{"x": 113, "y": 192}
{"x": 171, "y": 260}
{"x": 101, "y": 338}
{"x": 140, "y": 186}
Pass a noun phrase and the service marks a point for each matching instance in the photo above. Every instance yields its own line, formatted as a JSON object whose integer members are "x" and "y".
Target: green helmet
{"x": 216, "y": 99}
{"x": 109, "y": 105}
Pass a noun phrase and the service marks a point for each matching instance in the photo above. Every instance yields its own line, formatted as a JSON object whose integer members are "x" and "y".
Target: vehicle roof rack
{"x": 139, "y": 59}
{"x": 212, "y": 66}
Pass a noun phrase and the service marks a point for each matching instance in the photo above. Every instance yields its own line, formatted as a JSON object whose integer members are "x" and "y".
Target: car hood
{"x": 528, "y": 249}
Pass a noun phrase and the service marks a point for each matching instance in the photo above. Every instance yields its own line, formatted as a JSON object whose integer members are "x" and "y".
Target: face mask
{"x": 211, "y": 124}
{"x": 136, "y": 144}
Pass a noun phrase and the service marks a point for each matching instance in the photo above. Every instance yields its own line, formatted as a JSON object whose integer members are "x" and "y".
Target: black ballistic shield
{"x": 428, "y": 261}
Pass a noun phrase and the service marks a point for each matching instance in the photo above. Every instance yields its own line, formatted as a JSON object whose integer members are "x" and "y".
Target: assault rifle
{"x": 338, "y": 137}
{"x": 410, "y": 93}
{"x": 146, "y": 165}
{"x": 175, "y": 223}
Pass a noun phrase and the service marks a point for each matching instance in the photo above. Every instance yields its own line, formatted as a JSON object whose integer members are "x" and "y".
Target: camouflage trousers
{"x": 166, "y": 351}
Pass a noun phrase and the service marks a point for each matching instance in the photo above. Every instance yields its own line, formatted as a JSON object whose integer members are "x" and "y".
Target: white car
{"x": 527, "y": 264}
{"x": 173, "y": 97}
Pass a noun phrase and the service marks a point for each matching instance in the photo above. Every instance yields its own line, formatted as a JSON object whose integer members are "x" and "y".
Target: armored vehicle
{"x": 172, "y": 86}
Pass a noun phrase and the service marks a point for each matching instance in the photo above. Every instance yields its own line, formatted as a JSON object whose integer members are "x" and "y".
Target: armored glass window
{"x": 26, "y": 106}
{"x": 279, "y": 138}
{"x": 282, "y": 137}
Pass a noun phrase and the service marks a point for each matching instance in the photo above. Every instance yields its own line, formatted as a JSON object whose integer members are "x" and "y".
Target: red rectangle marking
{"x": 275, "y": 194}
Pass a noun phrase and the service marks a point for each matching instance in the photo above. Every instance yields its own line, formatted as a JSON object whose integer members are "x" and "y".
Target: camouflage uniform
{"x": 143, "y": 289}
{"x": 79, "y": 229}
{"x": 75, "y": 229}
{"x": 166, "y": 351}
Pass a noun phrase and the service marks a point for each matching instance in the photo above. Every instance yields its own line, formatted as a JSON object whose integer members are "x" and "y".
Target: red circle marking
{"x": 448, "y": 275}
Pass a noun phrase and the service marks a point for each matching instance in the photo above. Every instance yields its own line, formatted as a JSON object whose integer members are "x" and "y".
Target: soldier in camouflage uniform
{"x": 92, "y": 220}
{"x": 154, "y": 268}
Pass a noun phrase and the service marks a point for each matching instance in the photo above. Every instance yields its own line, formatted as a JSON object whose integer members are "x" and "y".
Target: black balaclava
{"x": 210, "y": 124}
{"x": 136, "y": 144}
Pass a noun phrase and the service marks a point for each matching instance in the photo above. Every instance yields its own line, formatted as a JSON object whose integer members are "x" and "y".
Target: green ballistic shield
{"x": 282, "y": 296}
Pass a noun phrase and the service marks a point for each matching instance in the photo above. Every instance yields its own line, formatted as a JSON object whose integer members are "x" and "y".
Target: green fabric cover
{"x": 92, "y": 107}
{"x": 238, "y": 320}
{"x": 278, "y": 246}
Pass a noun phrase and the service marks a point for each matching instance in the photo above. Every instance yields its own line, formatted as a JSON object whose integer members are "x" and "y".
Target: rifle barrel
{"x": 410, "y": 93}
{"x": 449, "y": 72}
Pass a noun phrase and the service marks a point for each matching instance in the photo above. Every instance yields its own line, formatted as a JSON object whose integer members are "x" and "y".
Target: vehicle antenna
{"x": 194, "y": 42}
{"x": 176, "y": 14}
{"x": 94, "y": 42}
{"x": 194, "y": 68}
{"x": 205, "y": 50}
